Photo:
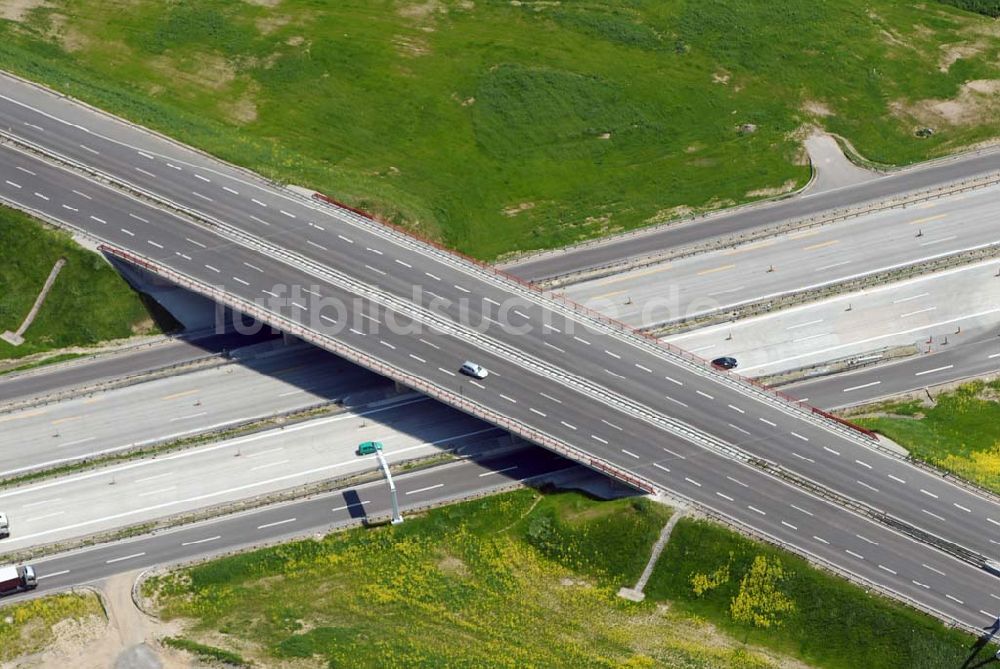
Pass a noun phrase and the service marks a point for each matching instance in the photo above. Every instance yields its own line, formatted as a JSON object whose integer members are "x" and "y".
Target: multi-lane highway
{"x": 559, "y": 377}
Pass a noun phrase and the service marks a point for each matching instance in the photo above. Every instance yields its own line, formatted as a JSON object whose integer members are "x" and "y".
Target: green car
{"x": 369, "y": 447}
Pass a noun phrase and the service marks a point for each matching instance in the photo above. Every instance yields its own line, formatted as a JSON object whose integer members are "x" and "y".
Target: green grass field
{"x": 88, "y": 303}
{"x": 522, "y": 579}
{"x": 27, "y": 627}
{"x": 960, "y": 433}
{"x": 499, "y": 127}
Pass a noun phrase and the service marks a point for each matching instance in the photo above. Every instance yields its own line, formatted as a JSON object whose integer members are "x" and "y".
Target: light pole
{"x": 396, "y": 517}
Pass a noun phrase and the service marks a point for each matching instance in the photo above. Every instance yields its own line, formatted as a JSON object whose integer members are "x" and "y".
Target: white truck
{"x": 4, "y": 526}
{"x": 17, "y": 579}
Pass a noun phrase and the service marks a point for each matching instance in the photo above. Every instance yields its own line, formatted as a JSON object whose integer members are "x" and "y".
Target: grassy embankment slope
{"x": 960, "y": 432}
{"x": 88, "y": 303}
{"x": 499, "y": 127}
{"x": 28, "y": 627}
{"x": 521, "y": 579}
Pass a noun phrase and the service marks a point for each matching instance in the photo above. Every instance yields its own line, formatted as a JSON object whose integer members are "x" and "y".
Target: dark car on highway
{"x": 725, "y": 363}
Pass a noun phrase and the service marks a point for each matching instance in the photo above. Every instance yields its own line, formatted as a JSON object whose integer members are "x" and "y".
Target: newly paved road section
{"x": 539, "y": 391}
{"x": 135, "y": 492}
{"x": 180, "y": 406}
{"x": 948, "y": 587}
{"x": 118, "y": 364}
{"x": 925, "y": 177}
{"x": 800, "y": 261}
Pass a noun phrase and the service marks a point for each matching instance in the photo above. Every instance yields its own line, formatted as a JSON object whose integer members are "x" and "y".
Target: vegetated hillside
{"x": 88, "y": 303}
{"x": 987, "y": 7}
{"x": 522, "y": 579}
{"x": 504, "y": 126}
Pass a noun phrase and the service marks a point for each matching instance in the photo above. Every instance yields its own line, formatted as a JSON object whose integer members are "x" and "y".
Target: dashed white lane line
{"x": 486, "y": 299}
{"x": 922, "y": 585}
{"x": 157, "y": 245}
{"x": 802, "y": 457}
{"x": 676, "y": 455}
{"x": 821, "y": 540}
{"x": 581, "y": 340}
{"x": 477, "y": 384}
{"x": 659, "y": 466}
{"x": 802, "y": 325}
{"x": 918, "y": 311}
{"x": 239, "y": 280}
{"x": 158, "y": 491}
{"x": 403, "y": 263}
{"x": 928, "y": 493}
{"x": 756, "y": 510}
{"x": 230, "y": 190}
{"x": 897, "y": 479}
{"x": 704, "y": 394}
{"x": 799, "y": 436}
{"x": 830, "y": 450}
{"x": 614, "y": 374}
{"x": 83, "y": 195}
{"x": 552, "y": 346}
{"x": 596, "y": 438}
{"x": 955, "y": 599}
{"x": 611, "y": 425}
{"x": 737, "y": 482}
{"x": 25, "y": 170}
{"x": 867, "y": 540}
{"x": 787, "y": 524}
{"x": 145, "y": 155}
{"x": 630, "y": 454}
{"x": 549, "y": 397}
{"x": 540, "y": 413}
{"x": 269, "y": 465}
{"x": 884, "y": 568}
{"x": 930, "y": 568}
{"x": 933, "y": 515}
{"x": 462, "y": 288}
{"x": 739, "y": 429}
{"x": 48, "y": 515}
{"x": 420, "y": 490}
{"x": 205, "y": 179}
{"x": 572, "y": 427}
{"x": 613, "y": 354}
{"x": 417, "y": 358}
{"x": 768, "y": 422}
{"x": 963, "y": 508}
{"x": 436, "y": 278}
{"x": 643, "y": 368}
{"x": 201, "y": 541}
{"x": 214, "y": 269}
{"x": 124, "y": 557}
{"x": 127, "y": 232}
{"x": 203, "y": 197}
{"x": 87, "y": 148}
{"x": 11, "y": 183}
{"x": 936, "y": 369}
{"x": 51, "y": 574}
{"x": 256, "y": 201}
{"x": 508, "y": 398}
{"x": 990, "y": 520}
{"x": 36, "y": 127}
{"x": 346, "y": 239}
{"x": 319, "y": 246}
{"x": 66, "y": 206}
{"x": 174, "y": 167}
{"x": 287, "y": 213}
{"x": 522, "y": 314}
{"x": 446, "y": 371}
{"x": 736, "y": 408}
{"x": 388, "y": 345}
{"x": 549, "y": 326}
{"x": 276, "y": 523}
{"x": 44, "y": 197}
{"x": 195, "y": 243}
{"x": 678, "y": 402}
{"x": 375, "y": 269}
{"x": 146, "y": 172}
{"x": 138, "y": 218}
{"x": 253, "y": 267}
{"x": 863, "y": 385}
{"x": 99, "y": 220}
{"x": 800, "y": 509}
{"x": 865, "y": 485}
{"x": 853, "y": 554}
{"x": 725, "y": 497}
{"x": 371, "y": 250}
{"x": 863, "y": 464}
{"x": 692, "y": 481}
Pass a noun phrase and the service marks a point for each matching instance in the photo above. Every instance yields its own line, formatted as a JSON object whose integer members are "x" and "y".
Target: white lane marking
{"x": 11, "y": 183}
{"x": 993, "y": 355}
{"x": 127, "y": 232}
{"x": 897, "y": 479}
{"x": 433, "y": 346}
{"x": 376, "y": 270}
{"x": 203, "y": 197}
{"x": 863, "y": 385}
{"x": 737, "y": 482}
{"x": 549, "y": 397}
{"x": 867, "y": 540}
{"x": 485, "y": 299}
{"x": 50, "y": 575}
{"x": 610, "y": 424}
{"x": 269, "y": 465}
{"x": 436, "y": 278}
{"x": 798, "y": 508}
{"x": 963, "y": 508}
{"x": 183, "y": 255}
{"x": 201, "y": 541}
{"x": 936, "y": 571}
{"x": 736, "y": 408}
{"x": 928, "y": 493}
{"x": 522, "y": 314}
{"x": 99, "y": 220}
{"x": 49, "y": 515}
{"x": 508, "y": 398}
{"x": 836, "y": 264}
{"x": 613, "y": 355}
{"x": 863, "y": 464}
{"x": 891, "y": 571}
{"x": 821, "y": 540}
{"x": 933, "y": 515}
{"x": 870, "y": 487}
{"x": 581, "y": 340}
{"x": 630, "y": 454}
{"x": 44, "y": 197}
{"x": 802, "y": 457}
{"x": 676, "y": 455}
{"x": 420, "y": 490}
{"x": 955, "y": 599}
{"x": 540, "y": 413}
{"x": 189, "y": 416}
{"x": 596, "y": 438}
{"x": 725, "y": 497}
{"x": 787, "y": 524}
{"x": 230, "y": 190}
{"x": 643, "y": 368}
{"x": 124, "y": 557}
{"x": 351, "y": 506}
{"x": 404, "y": 264}
{"x": 939, "y": 240}
{"x": 254, "y": 267}
{"x": 36, "y": 127}
{"x": 83, "y": 195}
{"x": 195, "y": 243}
{"x": 152, "y": 243}
{"x": 417, "y": 358}
{"x": 477, "y": 384}
{"x": 911, "y": 297}
{"x": 572, "y": 427}
{"x": 446, "y": 371}
{"x": 802, "y": 325}
{"x": 214, "y": 269}
{"x": 690, "y": 480}
{"x": 174, "y": 167}
{"x": 319, "y": 246}
{"x": 830, "y": 450}
{"x": 922, "y": 585}
{"x": 287, "y": 213}
{"x": 87, "y": 148}
{"x": 269, "y": 293}
{"x": 386, "y": 344}
{"x": 703, "y": 394}
{"x": 327, "y": 319}
{"x": 146, "y": 172}
{"x": 614, "y": 374}
{"x": 936, "y": 369}
{"x": 553, "y": 346}
{"x": 205, "y": 179}
{"x": 659, "y": 466}
{"x": 256, "y": 201}
{"x": 145, "y": 155}
{"x": 918, "y": 311}
{"x": 498, "y": 471}
{"x": 158, "y": 491}
{"x": 768, "y": 422}
{"x": 77, "y": 441}
{"x": 990, "y": 520}
{"x": 41, "y": 503}
{"x": 799, "y": 436}
{"x": 375, "y": 251}
{"x": 551, "y": 327}
{"x": 276, "y": 523}
{"x": 756, "y": 510}
{"x": 852, "y": 553}
{"x": 463, "y": 289}
{"x": 239, "y": 280}
{"x": 25, "y": 170}
{"x": 138, "y": 218}
{"x": 675, "y": 401}
{"x": 739, "y": 429}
